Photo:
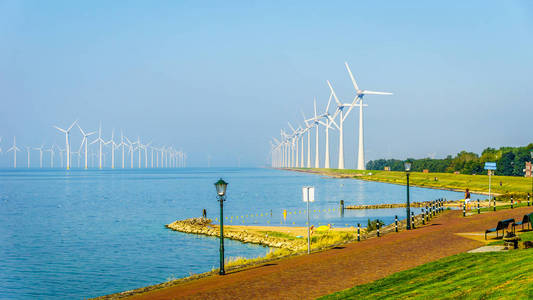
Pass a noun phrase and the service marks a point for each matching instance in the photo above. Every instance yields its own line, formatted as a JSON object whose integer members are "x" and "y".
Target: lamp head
{"x": 221, "y": 185}
{"x": 407, "y": 166}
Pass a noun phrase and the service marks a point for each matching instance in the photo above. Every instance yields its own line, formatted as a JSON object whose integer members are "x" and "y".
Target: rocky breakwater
{"x": 205, "y": 227}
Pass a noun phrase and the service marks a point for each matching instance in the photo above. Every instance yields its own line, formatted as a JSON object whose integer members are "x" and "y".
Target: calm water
{"x": 81, "y": 234}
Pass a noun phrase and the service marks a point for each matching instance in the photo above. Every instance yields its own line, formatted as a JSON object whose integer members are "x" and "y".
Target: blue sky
{"x": 222, "y": 78}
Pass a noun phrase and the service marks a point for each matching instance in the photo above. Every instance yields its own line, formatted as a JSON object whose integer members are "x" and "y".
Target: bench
{"x": 525, "y": 220}
{"x": 502, "y": 225}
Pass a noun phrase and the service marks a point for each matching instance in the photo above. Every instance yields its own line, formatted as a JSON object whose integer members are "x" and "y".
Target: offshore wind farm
{"x": 265, "y": 150}
{"x": 166, "y": 156}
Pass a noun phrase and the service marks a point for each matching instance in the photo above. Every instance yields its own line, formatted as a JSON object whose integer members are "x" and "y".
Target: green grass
{"x": 279, "y": 235}
{"x": 478, "y": 183}
{"x": 494, "y": 275}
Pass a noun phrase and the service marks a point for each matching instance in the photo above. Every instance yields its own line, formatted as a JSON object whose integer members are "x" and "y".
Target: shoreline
{"x": 361, "y": 177}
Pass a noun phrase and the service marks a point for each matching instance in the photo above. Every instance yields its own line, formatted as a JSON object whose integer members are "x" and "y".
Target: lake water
{"x": 81, "y": 234}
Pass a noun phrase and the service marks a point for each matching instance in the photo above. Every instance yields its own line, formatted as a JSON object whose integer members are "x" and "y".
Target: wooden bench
{"x": 525, "y": 220}
{"x": 502, "y": 225}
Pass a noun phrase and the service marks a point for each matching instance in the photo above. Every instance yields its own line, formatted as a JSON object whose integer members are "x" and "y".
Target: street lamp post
{"x": 221, "y": 186}
{"x": 408, "y": 208}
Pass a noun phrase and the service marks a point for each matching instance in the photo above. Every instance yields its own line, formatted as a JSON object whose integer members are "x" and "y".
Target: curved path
{"x": 318, "y": 274}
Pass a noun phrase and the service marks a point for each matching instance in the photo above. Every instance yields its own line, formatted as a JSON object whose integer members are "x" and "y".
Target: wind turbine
{"x": 308, "y": 129}
{"x": 122, "y": 144}
{"x": 60, "y": 155}
{"x": 342, "y": 117}
{"x": 67, "y": 133}
{"x": 329, "y": 121}
{"x": 28, "y": 150}
{"x": 145, "y": 147}
{"x": 51, "y": 150}
{"x": 113, "y": 147}
{"x": 315, "y": 121}
{"x": 359, "y": 95}
{"x": 14, "y": 148}
{"x": 131, "y": 151}
{"x": 85, "y": 141}
{"x": 40, "y": 149}
{"x": 100, "y": 144}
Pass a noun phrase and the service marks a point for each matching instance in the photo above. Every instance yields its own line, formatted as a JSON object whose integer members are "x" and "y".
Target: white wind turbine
{"x": 51, "y": 150}
{"x": 122, "y": 144}
{"x": 40, "y": 149}
{"x": 67, "y": 143}
{"x": 60, "y": 155}
{"x": 315, "y": 121}
{"x": 327, "y": 125}
{"x": 114, "y": 146}
{"x": 101, "y": 142}
{"x": 145, "y": 148}
{"x": 308, "y": 129}
{"x": 28, "y": 150}
{"x": 359, "y": 95}
{"x": 85, "y": 141}
{"x": 14, "y": 148}
{"x": 131, "y": 151}
{"x": 342, "y": 117}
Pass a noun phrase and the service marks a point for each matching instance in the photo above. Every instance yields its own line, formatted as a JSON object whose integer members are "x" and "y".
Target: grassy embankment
{"x": 494, "y": 275}
{"x": 476, "y": 183}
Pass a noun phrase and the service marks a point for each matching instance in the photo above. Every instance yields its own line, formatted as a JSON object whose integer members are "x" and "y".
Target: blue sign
{"x": 490, "y": 166}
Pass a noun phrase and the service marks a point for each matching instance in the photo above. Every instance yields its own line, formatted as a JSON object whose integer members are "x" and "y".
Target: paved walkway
{"x": 311, "y": 276}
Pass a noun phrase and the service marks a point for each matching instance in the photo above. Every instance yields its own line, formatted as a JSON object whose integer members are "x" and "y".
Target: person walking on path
{"x": 467, "y": 199}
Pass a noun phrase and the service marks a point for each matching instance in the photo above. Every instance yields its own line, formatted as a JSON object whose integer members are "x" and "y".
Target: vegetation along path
{"x": 322, "y": 273}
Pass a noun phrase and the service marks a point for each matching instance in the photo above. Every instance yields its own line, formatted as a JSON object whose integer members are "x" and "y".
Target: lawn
{"x": 493, "y": 275}
{"x": 477, "y": 183}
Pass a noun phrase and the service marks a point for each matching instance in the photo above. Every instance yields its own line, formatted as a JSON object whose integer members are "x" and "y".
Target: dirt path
{"x": 311, "y": 276}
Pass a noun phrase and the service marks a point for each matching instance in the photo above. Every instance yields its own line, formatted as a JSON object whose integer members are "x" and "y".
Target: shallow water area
{"x": 77, "y": 234}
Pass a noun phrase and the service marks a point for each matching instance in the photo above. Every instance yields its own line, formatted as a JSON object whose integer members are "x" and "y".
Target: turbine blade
{"x": 351, "y": 77}
{"x": 60, "y": 129}
{"x": 329, "y": 101}
{"x": 75, "y": 122}
{"x": 333, "y": 92}
{"x": 365, "y": 92}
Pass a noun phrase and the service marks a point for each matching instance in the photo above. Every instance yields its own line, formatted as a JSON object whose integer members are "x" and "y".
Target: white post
{"x": 490, "y": 173}
{"x": 308, "y": 226}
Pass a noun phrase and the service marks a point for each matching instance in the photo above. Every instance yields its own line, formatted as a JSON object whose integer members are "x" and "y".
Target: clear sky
{"x": 221, "y": 78}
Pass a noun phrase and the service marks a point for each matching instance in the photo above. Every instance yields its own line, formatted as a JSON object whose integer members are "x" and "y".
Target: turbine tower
{"x": 14, "y": 148}
{"x": 84, "y": 141}
{"x": 51, "y": 150}
{"x": 100, "y": 144}
{"x": 67, "y": 143}
{"x": 359, "y": 95}
{"x": 28, "y": 150}
{"x": 327, "y": 125}
{"x": 40, "y": 149}
{"x": 114, "y": 146}
{"x": 342, "y": 117}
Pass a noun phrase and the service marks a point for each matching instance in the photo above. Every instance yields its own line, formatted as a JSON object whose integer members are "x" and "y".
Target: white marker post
{"x": 490, "y": 166}
{"x": 308, "y": 193}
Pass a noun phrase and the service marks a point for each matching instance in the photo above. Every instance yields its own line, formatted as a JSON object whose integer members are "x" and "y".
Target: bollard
{"x": 427, "y": 214}
{"x": 478, "y": 211}
{"x": 396, "y": 223}
{"x": 433, "y": 210}
{"x": 527, "y": 199}
{"x": 512, "y": 202}
{"x": 377, "y": 228}
{"x": 464, "y": 209}
{"x": 413, "y": 220}
{"x": 358, "y": 232}
{"x": 423, "y": 219}
{"x": 494, "y": 203}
